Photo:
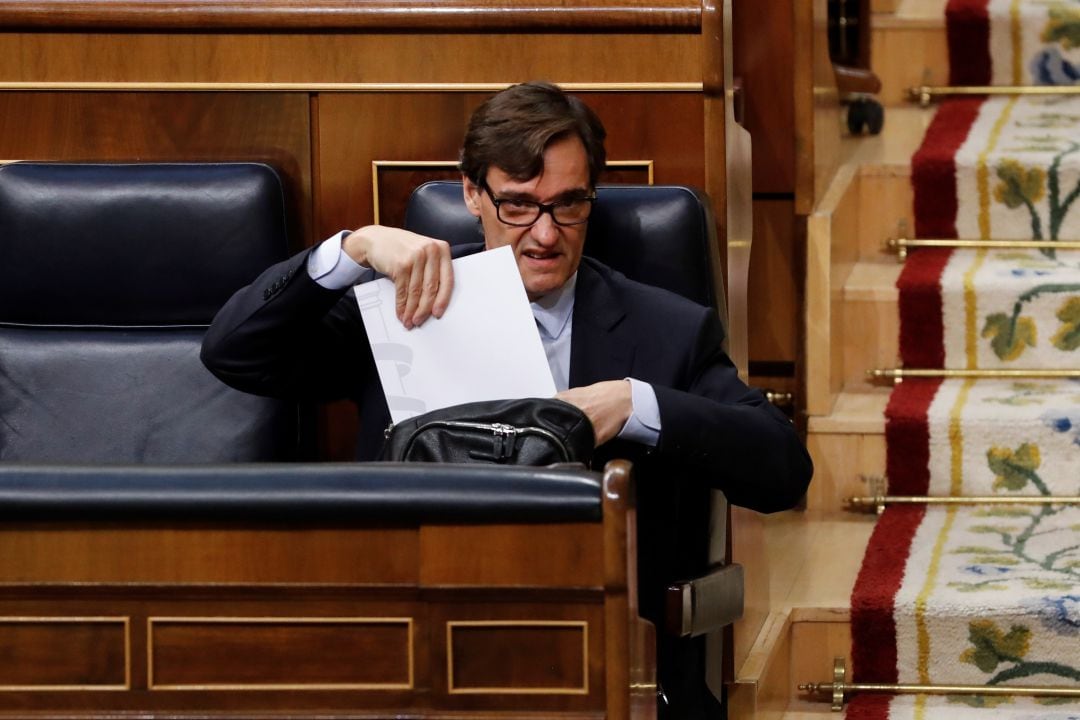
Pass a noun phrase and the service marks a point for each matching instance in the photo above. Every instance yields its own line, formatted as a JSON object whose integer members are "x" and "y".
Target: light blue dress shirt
{"x": 333, "y": 269}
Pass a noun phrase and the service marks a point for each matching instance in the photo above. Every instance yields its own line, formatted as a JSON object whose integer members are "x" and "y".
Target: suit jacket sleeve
{"x": 717, "y": 425}
{"x": 286, "y": 336}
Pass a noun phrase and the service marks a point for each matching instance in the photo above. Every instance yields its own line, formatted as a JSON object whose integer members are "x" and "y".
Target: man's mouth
{"x": 540, "y": 255}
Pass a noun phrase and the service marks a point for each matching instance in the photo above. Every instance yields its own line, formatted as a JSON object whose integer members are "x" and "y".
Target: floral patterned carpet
{"x": 985, "y": 595}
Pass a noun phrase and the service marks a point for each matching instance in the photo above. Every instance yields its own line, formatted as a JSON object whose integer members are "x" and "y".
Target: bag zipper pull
{"x": 504, "y": 441}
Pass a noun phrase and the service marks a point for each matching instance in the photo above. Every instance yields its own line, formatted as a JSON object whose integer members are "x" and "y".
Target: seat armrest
{"x": 382, "y": 493}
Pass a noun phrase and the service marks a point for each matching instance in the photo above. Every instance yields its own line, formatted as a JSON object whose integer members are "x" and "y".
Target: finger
{"x": 412, "y": 294}
{"x": 446, "y": 281}
{"x": 429, "y": 288}
{"x": 401, "y": 295}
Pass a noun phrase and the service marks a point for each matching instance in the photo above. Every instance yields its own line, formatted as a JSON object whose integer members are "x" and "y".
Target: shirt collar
{"x": 552, "y": 311}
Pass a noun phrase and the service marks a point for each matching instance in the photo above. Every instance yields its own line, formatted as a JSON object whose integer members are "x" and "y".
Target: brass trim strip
{"x": 839, "y": 688}
{"x": 123, "y": 620}
{"x": 342, "y": 87}
{"x": 452, "y": 624}
{"x": 901, "y": 245}
{"x": 925, "y": 94}
{"x": 877, "y": 503}
{"x": 899, "y": 374}
{"x": 376, "y": 165}
{"x": 647, "y": 165}
{"x": 181, "y": 620}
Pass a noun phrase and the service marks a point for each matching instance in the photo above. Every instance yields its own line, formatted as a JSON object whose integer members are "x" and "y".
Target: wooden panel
{"x": 481, "y": 658}
{"x": 282, "y": 653}
{"x": 773, "y": 306}
{"x": 46, "y": 553}
{"x": 818, "y": 124}
{"x": 44, "y": 653}
{"x": 277, "y": 14}
{"x": 350, "y": 58}
{"x": 147, "y": 127}
{"x": 509, "y": 555}
{"x": 518, "y": 657}
{"x": 663, "y": 127}
{"x": 767, "y": 73}
{"x": 828, "y": 264}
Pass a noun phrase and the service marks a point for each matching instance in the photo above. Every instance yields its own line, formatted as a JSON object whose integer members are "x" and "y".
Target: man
{"x": 645, "y": 365}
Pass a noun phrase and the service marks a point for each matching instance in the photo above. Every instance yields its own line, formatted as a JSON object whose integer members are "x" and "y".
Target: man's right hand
{"x": 419, "y": 266}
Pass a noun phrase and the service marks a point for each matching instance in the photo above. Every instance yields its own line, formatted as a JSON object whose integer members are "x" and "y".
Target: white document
{"x": 485, "y": 346}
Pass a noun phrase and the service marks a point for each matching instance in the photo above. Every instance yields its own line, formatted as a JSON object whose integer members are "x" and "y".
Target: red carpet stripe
{"x": 933, "y": 167}
{"x": 868, "y": 707}
{"x": 922, "y": 332}
{"x": 907, "y": 436}
{"x": 873, "y": 629}
{"x": 967, "y": 26}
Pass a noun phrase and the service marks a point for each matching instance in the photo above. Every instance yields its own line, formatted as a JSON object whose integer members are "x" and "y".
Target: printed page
{"x": 485, "y": 347}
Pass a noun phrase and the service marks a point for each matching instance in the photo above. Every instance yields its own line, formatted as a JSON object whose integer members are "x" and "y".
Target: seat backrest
{"x": 109, "y": 276}
{"x": 655, "y": 234}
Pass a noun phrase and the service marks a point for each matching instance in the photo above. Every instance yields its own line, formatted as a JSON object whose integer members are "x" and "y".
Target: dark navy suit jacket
{"x": 286, "y": 336}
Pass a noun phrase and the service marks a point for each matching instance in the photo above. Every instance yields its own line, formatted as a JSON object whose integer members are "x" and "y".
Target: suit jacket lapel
{"x": 601, "y": 346}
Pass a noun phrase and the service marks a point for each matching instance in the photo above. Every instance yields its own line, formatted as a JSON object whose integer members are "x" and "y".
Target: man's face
{"x": 547, "y": 254}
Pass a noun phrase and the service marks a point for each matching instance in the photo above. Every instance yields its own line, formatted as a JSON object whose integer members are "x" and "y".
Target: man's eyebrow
{"x": 571, "y": 194}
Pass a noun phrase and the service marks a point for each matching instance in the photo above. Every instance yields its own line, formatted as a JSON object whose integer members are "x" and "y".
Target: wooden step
{"x": 849, "y": 276}
{"x": 848, "y": 446}
{"x": 871, "y": 322}
{"x": 908, "y": 47}
{"x": 814, "y": 560}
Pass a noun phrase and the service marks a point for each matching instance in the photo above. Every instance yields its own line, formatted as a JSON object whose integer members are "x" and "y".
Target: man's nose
{"x": 544, "y": 230}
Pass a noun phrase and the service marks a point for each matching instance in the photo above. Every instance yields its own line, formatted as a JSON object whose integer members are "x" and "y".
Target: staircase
{"x": 969, "y": 594}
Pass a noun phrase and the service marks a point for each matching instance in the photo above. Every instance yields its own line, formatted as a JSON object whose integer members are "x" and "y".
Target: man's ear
{"x": 472, "y": 195}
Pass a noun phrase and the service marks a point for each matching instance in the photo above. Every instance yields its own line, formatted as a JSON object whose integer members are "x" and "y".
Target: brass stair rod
{"x": 838, "y": 689}
{"x": 925, "y": 94}
{"x": 877, "y": 503}
{"x": 898, "y": 374}
{"x": 900, "y": 245}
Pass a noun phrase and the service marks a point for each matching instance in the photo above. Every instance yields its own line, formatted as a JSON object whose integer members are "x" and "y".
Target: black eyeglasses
{"x": 523, "y": 213}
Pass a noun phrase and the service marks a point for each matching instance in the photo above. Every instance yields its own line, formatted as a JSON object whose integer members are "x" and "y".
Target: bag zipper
{"x": 496, "y": 429}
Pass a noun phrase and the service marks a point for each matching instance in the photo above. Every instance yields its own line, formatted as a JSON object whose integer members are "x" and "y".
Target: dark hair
{"x": 512, "y": 129}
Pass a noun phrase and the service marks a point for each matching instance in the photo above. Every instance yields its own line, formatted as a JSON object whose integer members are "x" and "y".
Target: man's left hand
{"x": 608, "y": 405}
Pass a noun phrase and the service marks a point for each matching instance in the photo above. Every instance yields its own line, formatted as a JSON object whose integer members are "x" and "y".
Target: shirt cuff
{"x": 643, "y": 425}
{"x": 331, "y": 267}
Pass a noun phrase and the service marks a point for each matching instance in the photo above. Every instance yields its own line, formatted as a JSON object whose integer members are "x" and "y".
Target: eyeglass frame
{"x": 542, "y": 208}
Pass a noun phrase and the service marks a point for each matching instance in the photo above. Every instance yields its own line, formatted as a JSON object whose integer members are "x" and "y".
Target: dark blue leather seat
{"x": 109, "y": 275}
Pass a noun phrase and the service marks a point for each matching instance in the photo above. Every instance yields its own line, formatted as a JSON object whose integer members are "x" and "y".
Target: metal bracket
{"x": 704, "y": 604}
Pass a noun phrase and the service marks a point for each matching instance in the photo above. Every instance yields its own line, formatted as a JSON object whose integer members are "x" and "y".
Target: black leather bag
{"x": 532, "y": 431}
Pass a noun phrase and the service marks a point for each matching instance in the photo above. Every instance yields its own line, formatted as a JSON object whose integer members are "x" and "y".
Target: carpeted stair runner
{"x": 1013, "y": 42}
{"x": 990, "y": 309}
{"x": 1000, "y": 167}
{"x": 970, "y": 594}
{"x": 984, "y": 437}
{"x": 985, "y": 595}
